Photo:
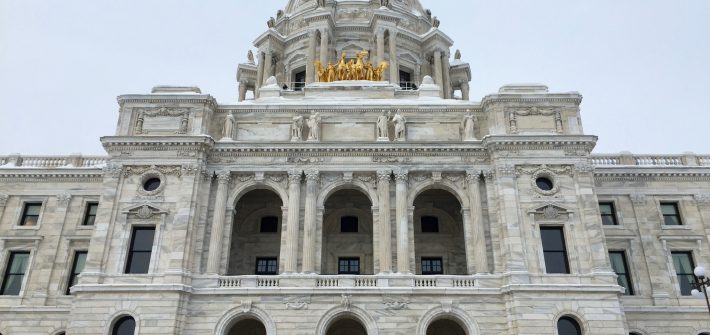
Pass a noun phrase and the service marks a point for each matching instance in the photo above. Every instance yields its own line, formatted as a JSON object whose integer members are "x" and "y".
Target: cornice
{"x": 119, "y": 144}
{"x": 531, "y": 142}
{"x": 167, "y": 98}
{"x": 572, "y": 97}
{"x": 335, "y": 108}
{"x": 631, "y": 173}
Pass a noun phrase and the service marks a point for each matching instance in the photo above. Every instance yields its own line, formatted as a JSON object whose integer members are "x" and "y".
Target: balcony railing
{"x": 52, "y": 162}
{"x": 346, "y": 281}
{"x": 605, "y": 160}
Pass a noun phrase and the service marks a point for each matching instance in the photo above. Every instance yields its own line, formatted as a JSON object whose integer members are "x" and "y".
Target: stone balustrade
{"x": 606, "y": 160}
{"x": 53, "y": 162}
{"x": 347, "y": 281}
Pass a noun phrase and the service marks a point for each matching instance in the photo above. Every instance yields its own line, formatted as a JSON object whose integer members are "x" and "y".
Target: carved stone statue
{"x": 271, "y": 23}
{"x": 435, "y": 22}
{"x": 400, "y": 127}
{"x": 250, "y": 57}
{"x": 385, "y": 3}
{"x": 467, "y": 127}
{"x": 297, "y": 128}
{"x": 321, "y": 3}
{"x": 383, "y": 125}
{"x": 457, "y": 55}
{"x": 228, "y": 128}
{"x": 314, "y": 126}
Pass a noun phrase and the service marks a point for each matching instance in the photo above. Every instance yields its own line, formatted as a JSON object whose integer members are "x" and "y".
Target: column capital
{"x": 473, "y": 175}
{"x": 402, "y": 176}
{"x": 294, "y": 176}
{"x": 384, "y": 175}
{"x": 312, "y": 175}
{"x": 223, "y": 177}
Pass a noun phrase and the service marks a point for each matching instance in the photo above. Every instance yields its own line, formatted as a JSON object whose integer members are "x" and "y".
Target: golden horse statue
{"x": 354, "y": 69}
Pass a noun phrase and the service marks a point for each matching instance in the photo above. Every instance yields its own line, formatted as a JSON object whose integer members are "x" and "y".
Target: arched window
{"x": 568, "y": 326}
{"x": 124, "y": 326}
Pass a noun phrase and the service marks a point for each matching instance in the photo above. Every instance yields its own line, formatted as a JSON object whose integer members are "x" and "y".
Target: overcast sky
{"x": 643, "y": 66}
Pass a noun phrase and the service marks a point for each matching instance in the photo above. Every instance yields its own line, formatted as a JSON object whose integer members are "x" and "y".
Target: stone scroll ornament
{"x": 354, "y": 69}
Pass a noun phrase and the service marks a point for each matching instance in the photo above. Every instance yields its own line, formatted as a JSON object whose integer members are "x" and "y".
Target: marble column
{"x": 259, "y": 74}
{"x": 402, "y": 178}
{"x": 309, "y": 222}
{"x": 380, "y": 46}
{"x": 310, "y": 67}
{"x": 385, "y": 232}
{"x": 394, "y": 66}
{"x": 439, "y": 77}
{"x": 267, "y": 66}
{"x": 214, "y": 257}
{"x": 446, "y": 70}
{"x": 324, "y": 47}
{"x": 477, "y": 255}
{"x": 292, "y": 224}
{"x": 465, "y": 88}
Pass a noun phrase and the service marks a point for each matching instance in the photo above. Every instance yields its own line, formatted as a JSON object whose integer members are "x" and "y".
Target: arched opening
{"x": 256, "y": 234}
{"x": 347, "y": 234}
{"x": 568, "y": 326}
{"x": 346, "y": 326}
{"x": 439, "y": 245}
{"x": 445, "y": 327}
{"x": 247, "y": 327}
{"x": 124, "y": 326}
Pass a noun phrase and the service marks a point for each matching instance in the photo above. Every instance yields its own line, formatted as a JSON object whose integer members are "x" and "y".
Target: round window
{"x": 544, "y": 183}
{"x": 151, "y": 184}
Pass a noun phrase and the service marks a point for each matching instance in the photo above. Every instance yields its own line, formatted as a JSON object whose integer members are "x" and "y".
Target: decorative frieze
{"x": 173, "y": 170}
{"x": 297, "y": 303}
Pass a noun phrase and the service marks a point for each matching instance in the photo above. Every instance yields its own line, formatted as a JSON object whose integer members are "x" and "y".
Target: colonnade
{"x": 474, "y": 235}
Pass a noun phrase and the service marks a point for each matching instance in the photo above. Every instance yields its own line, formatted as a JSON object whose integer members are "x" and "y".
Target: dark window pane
{"x": 140, "y": 252}
{"x": 30, "y": 215}
{"x": 568, "y": 326}
{"x": 77, "y": 268}
{"x": 671, "y": 214}
{"x": 608, "y": 213}
{"x": 620, "y": 266}
{"x": 125, "y": 326}
{"x": 151, "y": 184}
{"x": 15, "y": 272}
{"x": 269, "y": 224}
{"x": 432, "y": 266}
{"x": 266, "y": 266}
{"x": 349, "y": 266}
{"x": 554, "y": 249}
{"x": 299, "y": 81}
{"x": 430, "y": 224}
{"x": 90, "y": 216}
{"x": 544, "y": 184}
{"x": 684, "y": 265}
{"x": 348, "y": 224}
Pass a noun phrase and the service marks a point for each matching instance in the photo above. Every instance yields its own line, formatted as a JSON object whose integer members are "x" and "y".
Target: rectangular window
{"x": 684, "y": 266}
{"x": 30, "y": 214}
{"x": 140, "y": 250}
{"x": 267, "y": 266}
{"x": 348, "y": 224}
{"x": 430, "y": 224}
{"x": 76, "y": 268}
{"x": 671, "y": 215}
{"x": 608, "y": 213}
{"x": 620, "y": 266}
{"x": 299, "y": 81}
{"x": 15, "y": 272}
{"x": 555, "y": 250}
{"x": 90, "y": 215}
{"x": 269, "y": 224}
{"x": 349, "y": 266}
{"x": 432, "y": 266}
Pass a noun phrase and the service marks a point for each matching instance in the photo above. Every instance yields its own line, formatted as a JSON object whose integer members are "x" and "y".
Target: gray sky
{"x": 643, "y": 66}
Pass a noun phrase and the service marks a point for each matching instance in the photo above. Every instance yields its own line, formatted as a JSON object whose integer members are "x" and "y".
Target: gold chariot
{"x": 355, "y": 69}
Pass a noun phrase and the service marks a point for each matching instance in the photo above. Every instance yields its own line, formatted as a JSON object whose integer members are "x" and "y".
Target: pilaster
{"x": 402, "y": 178}
{"x": 309, "y": 222}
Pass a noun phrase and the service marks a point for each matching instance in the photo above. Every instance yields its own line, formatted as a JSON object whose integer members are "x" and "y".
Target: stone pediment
{"x": 551, "y": 211}
{"x": 144, "y": 211}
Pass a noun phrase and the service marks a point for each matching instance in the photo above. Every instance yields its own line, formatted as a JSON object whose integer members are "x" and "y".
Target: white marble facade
{"x": 385, "y": 156}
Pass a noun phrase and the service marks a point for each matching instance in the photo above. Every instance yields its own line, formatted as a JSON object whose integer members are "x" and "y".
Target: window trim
{"x": 565, "y": 239}
{"x": 679, "y": 212}
{"x": 349, "y": 258}
{"x": 256, "y": 266}
{"x": 614, "y": 213}
{"x": 21, "y": 210}
{"x": 128, "y": 252}
{"x": 631, "y": 290}
{"x": 428, "y": 258}
{"x": 6, "y": 267}
{"x": 71, "y": 274}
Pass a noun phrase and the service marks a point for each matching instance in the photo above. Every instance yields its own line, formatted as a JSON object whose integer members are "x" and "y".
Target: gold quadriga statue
{"x": 355, "y": 69}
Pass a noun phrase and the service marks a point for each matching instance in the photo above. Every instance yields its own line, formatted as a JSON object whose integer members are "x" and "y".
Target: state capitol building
{"x": 354, "y": 189}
